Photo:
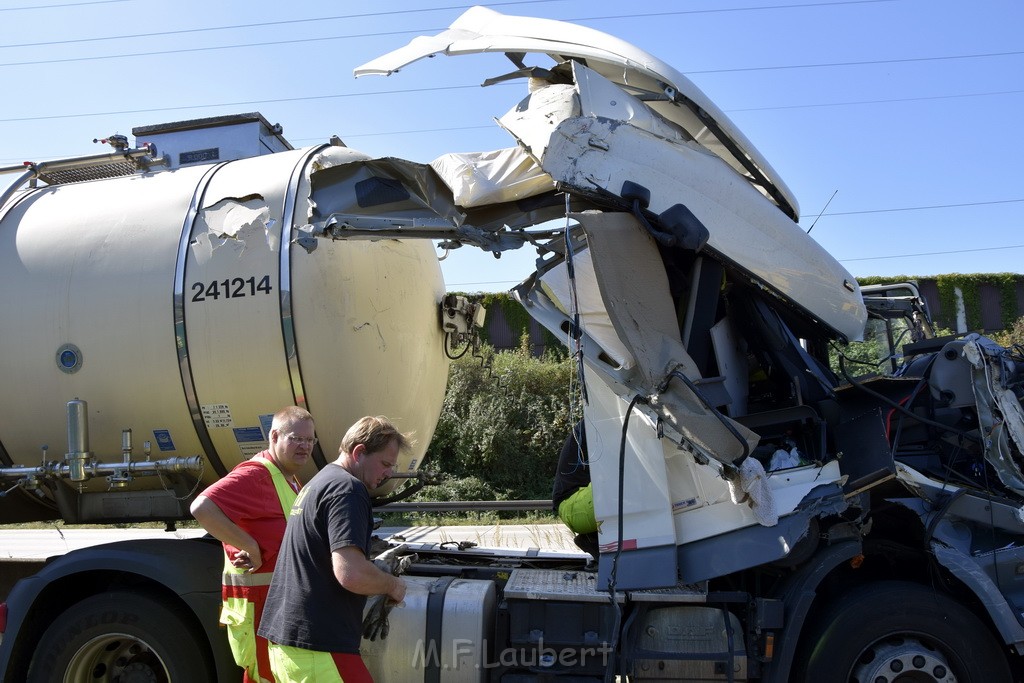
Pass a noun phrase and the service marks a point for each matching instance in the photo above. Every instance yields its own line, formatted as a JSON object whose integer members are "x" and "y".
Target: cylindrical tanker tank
{"x": 178, "y": 305}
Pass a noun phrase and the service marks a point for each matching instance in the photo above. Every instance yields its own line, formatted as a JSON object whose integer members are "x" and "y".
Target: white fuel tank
{"x": 443, "y": 630}
{"x": 177, "y": 305}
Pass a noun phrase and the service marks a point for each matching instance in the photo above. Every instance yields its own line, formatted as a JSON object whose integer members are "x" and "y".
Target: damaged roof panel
{"x": 483, "y": 30}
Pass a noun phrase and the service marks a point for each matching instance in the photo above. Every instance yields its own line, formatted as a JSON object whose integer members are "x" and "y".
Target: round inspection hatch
{"x": 69, "y": 358}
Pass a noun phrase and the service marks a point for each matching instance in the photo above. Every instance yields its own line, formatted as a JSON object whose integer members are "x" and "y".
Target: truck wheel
{"x": 122, "y": 637}
{"x": 900, "y": 631}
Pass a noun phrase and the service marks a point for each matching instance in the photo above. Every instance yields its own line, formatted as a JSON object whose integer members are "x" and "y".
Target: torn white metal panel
{"x": 702, "y": 506}
{"x": 382, "y": 198}
{"x": 645, "y": 503}
{"x": 635, "y": 291}
{"x": 482, "y": 178}
{"x": 593, "y": 317}
{"x": 535, "y": 119}
{"x": 600, "y": 97}
{"x": 232, "y": 223}
{"x": 532, "y": 121}
{"x": 678, "y": 100}
{"x": 398, "y": 190}
{"x": 599, "y": 155}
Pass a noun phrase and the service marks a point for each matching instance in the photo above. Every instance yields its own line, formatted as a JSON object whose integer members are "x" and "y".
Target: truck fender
{"x": 967, "y": 571}
{"x": 798, "y": 595}
{"x": 187, "y": 568}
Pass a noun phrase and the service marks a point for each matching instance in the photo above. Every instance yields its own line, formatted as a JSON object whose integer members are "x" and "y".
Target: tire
{"x": 119, "y": 637}
{"x": 900, "y": 631}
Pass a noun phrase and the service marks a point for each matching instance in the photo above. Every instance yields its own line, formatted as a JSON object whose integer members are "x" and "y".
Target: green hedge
{"x": 516, "y": 317}
{"x": 970, "y": 286}
{"x": 501, "y": 427}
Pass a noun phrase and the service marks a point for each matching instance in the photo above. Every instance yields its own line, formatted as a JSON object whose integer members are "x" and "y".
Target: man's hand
{"x": 227, "y": 532}
{"x": 248, "y": 560}
{"x": 397, "y": 593}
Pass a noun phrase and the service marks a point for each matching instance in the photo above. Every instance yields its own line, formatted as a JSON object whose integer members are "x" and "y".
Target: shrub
{"x": 1012, "y": 335}
{"x": 502, "y": 426}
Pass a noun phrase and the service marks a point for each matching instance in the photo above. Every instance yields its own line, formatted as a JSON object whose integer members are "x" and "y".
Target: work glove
{"x": 395, "y": 560}
{"x": 375, "y": 621}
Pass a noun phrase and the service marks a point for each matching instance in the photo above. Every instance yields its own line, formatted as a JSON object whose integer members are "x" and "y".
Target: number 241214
{"x": 231, "y": 288}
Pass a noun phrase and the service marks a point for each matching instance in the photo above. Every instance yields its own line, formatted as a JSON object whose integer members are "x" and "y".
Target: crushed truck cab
{"x": 794, "y": 479}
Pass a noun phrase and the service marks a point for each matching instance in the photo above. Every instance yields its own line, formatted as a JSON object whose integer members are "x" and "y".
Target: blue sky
{"x": 905, "y": 112}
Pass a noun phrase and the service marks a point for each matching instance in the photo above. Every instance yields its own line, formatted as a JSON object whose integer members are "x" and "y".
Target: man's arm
{"x": 357, "y": 574}
{"x": 220, "y": 526}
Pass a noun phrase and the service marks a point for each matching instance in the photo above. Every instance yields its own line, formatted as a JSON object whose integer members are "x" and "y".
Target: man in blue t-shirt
{"x": 314, "y": 611}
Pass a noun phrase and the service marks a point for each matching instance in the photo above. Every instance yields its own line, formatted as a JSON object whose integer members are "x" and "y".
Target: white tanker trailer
{"x": 762, "y": 515}
{"x": 173, "y": 313}
{"x": 160, "y": 307}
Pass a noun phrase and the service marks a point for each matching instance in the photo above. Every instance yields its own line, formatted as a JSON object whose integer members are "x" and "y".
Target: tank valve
{"x": 120, "y": 478}
{"x": 78, "y": 455}
{"x": 117, "y": 141}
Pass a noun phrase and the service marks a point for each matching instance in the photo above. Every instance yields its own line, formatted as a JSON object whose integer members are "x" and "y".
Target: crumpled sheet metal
{"x": 484, "y": 178}
{"x": 1000, "y": 417}
{"x": 634, "y": 287}
{"x": 233, "y": 223}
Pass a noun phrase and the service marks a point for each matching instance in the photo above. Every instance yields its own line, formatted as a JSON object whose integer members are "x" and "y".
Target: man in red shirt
{"x": 246, "y": 511}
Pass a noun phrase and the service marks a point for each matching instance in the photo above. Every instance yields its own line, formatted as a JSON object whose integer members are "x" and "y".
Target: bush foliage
{"x": 501, "y": 427}
{"x": 1011, "y": 336}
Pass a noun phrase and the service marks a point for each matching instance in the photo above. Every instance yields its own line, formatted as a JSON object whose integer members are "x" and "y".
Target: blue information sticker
{"x": 248, "y": 434}
{"x": 266, "y": 421}
{"x": 163, "y": 439}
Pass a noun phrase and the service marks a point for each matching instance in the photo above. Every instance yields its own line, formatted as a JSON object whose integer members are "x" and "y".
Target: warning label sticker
{"x": 217, "y": 415}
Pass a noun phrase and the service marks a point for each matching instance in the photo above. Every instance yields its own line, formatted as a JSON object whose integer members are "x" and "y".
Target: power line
{"x": 457, "y": 87}
{"x": 870, "y": 62}
{"x": 841, "y": 260}
{"x": 66, "y": 4}
{"x": 237, "y": 104}
{"x": 932, "y": 253}
{"x": 922, "y": 208}
{"x": 401, "y": 132}
{"x": 304, "y": 40}
{"x": 366, "y": 15}
{"x": 430, "y": 30}
{"x": 186, "y": 50}
{"x": 206, "y": 29}
{"x": 891, "y": 101}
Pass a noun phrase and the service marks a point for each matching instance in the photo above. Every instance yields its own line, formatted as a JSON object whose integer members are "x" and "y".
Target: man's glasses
{"x": 304, "y": 440}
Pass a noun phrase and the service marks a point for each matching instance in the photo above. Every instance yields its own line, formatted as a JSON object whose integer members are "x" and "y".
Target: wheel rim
{"x": 116, "y": 658}
{"x": 902, "y": 660}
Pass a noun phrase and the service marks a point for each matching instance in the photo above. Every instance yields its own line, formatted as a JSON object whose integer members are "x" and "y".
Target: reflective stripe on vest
{"x": 247, "y": 579}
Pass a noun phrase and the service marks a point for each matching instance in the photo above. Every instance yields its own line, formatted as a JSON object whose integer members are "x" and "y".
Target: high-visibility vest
{"x": 238, "y": 612}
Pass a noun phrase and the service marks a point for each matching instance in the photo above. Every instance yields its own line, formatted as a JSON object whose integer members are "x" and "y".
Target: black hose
{"x": 610, "y": 671}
